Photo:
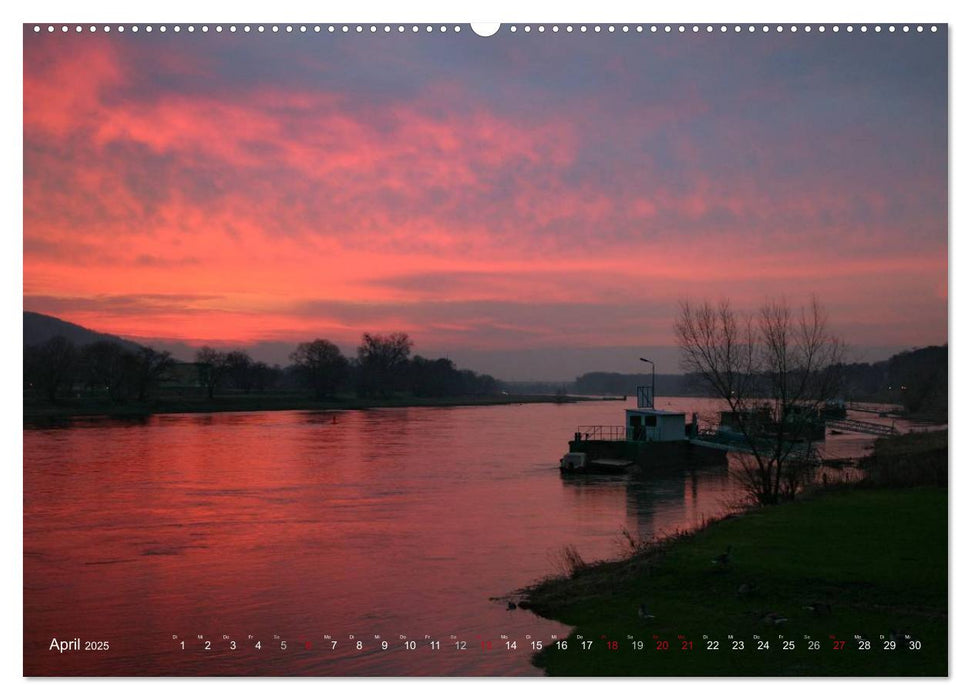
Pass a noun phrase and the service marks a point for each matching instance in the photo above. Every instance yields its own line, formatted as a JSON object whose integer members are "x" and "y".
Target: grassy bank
{"x": 855, "y": 562}
{"x": 37, "y": 411}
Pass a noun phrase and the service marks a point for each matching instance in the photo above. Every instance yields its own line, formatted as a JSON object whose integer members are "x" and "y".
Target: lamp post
{"x": 644, "y": 359}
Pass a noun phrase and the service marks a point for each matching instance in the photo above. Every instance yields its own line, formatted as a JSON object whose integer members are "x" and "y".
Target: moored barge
{"x": 650, "y": 437}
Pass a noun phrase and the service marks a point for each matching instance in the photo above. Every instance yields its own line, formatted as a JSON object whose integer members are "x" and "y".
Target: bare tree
{"x": 151, "y": 368}
{"x": 212, "y": 368}
{"x": 774, "y": 370}
{"x": 382, "y": 362}
{"x": 50, "y": 367}
{"x": 323, "y": 366}
{"x": 109, "y": 368}
{"x": 239, "y": 367}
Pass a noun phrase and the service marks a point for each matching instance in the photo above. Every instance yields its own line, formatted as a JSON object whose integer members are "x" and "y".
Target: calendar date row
{"x": 657, "y": 644}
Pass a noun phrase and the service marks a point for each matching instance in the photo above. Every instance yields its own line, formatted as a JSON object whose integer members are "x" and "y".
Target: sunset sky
{"x": 534, "y": 206}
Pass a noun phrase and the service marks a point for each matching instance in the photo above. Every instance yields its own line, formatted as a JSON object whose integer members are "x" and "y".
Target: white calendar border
{"x": 830, "y": 11}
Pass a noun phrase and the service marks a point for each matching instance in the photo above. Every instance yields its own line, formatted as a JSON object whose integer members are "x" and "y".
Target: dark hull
{"x": 598, "y": 468}
{"x": 645, "y": 455}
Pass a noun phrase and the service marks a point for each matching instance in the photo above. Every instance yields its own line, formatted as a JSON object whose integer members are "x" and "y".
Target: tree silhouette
{"x": 775, "y": 371}
{"x": 109, "y": 367}
{"x": 150, "y": 367}
{"x": 919, "y": 379}
{"x": 212, "y": 368}
{"x": 50, "y": 366}
{"x": 382, "y": 362}
{"x": 322, "y": 366}
{"x": 239, "y": 369}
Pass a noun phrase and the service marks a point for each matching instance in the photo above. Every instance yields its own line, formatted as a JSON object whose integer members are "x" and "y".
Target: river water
{"x": 203, "y": 544}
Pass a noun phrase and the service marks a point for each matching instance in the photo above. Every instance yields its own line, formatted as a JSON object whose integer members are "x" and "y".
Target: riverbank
{"x": 854, "y": 561}
{"x": 35, "y": 411}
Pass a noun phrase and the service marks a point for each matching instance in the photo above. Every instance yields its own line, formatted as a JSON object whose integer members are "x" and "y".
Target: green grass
{"x": 878, "y": 558}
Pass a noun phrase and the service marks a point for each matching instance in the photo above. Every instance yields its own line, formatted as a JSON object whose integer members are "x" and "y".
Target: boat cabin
{"x": 654, "y": 425}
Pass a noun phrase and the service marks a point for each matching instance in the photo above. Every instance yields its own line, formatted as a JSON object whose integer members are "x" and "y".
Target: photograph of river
{"x": 497, "y": 351}
{"x": 287, "y": 526}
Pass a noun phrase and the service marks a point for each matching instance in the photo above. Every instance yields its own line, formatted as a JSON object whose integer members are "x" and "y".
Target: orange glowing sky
{"x": 484, "y": 195}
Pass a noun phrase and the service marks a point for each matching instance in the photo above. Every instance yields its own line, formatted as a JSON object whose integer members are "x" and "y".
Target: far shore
{"x": 41, "y": 412}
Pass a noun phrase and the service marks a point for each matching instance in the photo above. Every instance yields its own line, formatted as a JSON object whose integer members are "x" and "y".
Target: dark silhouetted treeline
{"x": 383, "y": 367}
{"x": 58, "y": 368}
{"x": 915, "y": 379}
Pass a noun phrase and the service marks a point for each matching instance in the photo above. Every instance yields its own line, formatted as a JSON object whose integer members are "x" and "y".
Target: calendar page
{"x": 450, "y": 350}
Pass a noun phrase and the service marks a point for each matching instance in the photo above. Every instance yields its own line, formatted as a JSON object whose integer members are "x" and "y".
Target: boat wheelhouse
{"x": 649, "y": 437}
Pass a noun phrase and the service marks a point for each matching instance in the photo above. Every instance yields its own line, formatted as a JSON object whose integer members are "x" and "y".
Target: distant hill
{"x": 39, "y": 328}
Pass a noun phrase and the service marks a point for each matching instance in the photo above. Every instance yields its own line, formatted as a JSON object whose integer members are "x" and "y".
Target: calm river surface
{"x": 391, "y": 525}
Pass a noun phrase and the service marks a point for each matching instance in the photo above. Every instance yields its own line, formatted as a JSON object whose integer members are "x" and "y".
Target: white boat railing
{"x": 601, "y": 432}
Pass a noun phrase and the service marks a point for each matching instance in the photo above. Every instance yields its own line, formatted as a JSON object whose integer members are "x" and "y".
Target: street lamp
{"x": 644, "y": 359}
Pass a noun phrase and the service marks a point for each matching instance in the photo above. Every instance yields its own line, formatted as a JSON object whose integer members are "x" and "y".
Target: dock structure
{"x": 720, "y": 441}
{"x": 859, "y": 426}
{"x": 869, "y": 408}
